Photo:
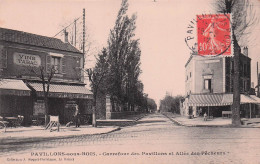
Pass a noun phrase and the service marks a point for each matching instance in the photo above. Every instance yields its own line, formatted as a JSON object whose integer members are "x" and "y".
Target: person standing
{"x": 77, "y": 116}
{"x": 205, "y": 116}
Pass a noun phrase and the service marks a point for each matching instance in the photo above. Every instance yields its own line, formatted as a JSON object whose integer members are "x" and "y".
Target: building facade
{"x": 26, "y": 58}
{"x": 209, "y": 81}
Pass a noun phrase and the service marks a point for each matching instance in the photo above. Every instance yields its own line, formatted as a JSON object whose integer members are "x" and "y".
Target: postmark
{"x": 214, "y": 34}
{"x": 209, "y": 35}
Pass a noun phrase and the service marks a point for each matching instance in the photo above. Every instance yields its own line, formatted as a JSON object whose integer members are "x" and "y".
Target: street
{"x": 153, "y": 139}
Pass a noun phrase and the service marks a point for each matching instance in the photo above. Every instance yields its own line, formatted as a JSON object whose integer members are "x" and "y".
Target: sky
{"x": 161, "y": 28}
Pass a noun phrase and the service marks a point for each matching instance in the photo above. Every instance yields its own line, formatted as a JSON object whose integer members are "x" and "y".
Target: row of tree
{"x": 117, "y": 69}
{"x": 171, "y": 104}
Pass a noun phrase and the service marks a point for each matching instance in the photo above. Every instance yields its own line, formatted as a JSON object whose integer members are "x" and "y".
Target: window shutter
{"x": 4, "y": 58}
{"x": 48, "y": 63}
{"x": 79, "y": 67}
{"x": 63, "y": 71}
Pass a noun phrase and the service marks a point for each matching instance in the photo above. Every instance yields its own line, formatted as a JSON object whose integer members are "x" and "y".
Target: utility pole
{"x": 83, "y": 42}
{"x": 75, "y": 23}
{"x": 258, "y": 80}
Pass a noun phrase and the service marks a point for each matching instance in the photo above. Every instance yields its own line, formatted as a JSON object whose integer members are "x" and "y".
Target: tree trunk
{"x": 236, "y": 89}
{"x": 46, "y": 110}
{"x": 94, "y": 122}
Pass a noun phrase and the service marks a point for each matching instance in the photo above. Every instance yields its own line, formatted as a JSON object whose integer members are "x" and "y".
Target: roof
{"x": 61, "y": 90}
{"x": 35, "y": 40}
{"x": 13, "y": 87}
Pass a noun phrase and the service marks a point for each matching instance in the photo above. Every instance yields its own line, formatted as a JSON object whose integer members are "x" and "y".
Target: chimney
{"x": 66, "y": 34}
{"x": 245, "y": 51}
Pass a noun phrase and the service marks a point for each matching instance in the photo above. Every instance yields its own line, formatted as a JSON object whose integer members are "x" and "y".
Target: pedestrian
{"x": 205, "y": 116}
{"x": 200, "y": 112}
{"x": 77, "y": 116}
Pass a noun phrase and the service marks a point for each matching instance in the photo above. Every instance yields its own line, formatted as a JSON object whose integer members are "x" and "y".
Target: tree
{"x": 243, "y": 19}
{"x": 171, "y": 104}
{"x": 124, "y": 61}
{"x": 96, "y": 77}
{"x": 46, "y": 77}
{"x": 151, "y": 104}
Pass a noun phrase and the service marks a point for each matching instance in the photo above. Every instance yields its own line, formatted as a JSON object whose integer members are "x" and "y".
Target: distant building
{"x": 21, "y": 89}
{"x": 209, "y": 84}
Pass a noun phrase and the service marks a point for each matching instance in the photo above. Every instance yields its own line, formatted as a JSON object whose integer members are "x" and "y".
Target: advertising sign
{"x": 27, "y": 60}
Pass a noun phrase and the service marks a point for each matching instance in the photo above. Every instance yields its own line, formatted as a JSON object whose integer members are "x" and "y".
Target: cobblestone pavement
{"x": 153, "y": 139}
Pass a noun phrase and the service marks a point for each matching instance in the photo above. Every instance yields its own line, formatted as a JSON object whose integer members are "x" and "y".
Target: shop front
{"x": 216, "y": 104}
{"x": 62, "y": 100}
{"x": 14, "y": 99}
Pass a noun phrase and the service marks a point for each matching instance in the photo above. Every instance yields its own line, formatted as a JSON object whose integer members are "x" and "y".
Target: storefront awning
{"x": 13, "y": 87}
{"x": 219, "y": 99}
{"x": 257, "y": 99}
{"x": 206, "y": 100}
{"x": 244, "y": 99}
{"x": 63, "y": 91}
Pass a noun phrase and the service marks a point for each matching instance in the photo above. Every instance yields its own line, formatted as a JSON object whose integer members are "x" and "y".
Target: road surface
{"x": 154, "y": 139}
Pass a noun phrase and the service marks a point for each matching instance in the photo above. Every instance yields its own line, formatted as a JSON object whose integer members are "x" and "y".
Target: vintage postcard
{"x": 129, "y": 81}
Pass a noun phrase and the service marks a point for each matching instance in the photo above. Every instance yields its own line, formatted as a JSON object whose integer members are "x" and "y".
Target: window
{"x": 245, "y": 69}
{"x": 207, "y": 84}
{"x": 190, "y": 74}
{"x": 232, "y": 67}
{"x": 56, "y": 63}
{"x": 245, "y": 86}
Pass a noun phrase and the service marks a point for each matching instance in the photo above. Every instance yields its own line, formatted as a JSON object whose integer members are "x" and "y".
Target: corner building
{"x": 209, "y": 86}
{"x": 21, "y": 89}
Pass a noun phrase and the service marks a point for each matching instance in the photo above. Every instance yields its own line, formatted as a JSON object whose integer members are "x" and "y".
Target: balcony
{"x": 207, "y": 91}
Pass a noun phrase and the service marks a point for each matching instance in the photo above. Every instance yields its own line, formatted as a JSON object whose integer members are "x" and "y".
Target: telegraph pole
{"x": 83, "y": 42}
{"x": 75, "y": 23}
{"x": 258, "y": 80}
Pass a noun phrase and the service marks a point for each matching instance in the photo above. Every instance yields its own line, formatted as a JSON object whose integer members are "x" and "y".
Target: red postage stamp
{"x": 214, "y": 34}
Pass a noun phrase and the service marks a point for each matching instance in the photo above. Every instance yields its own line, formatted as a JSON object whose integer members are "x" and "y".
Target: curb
{"x": 37, "y": 139}
{"x": 111, "y": 131}
{"x": 215, "y": 126}
{"x": 140, "y": 118}
{"x": 174, "y": 121}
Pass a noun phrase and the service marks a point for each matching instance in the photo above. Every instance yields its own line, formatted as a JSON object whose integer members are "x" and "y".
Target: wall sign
{"x": 39, "y": 107}
{"x": 27, "y": 60}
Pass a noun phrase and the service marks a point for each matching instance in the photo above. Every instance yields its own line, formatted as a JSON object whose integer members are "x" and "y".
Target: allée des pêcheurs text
{"x": 180, "y": 153}
{"x": 45, "y": 156}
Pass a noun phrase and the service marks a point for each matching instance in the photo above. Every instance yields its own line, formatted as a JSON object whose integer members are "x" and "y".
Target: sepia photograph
{"x": 129, "y": 81}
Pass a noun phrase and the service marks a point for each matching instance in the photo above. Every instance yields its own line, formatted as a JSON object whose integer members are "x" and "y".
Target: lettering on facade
{"x": 27, "y": 60}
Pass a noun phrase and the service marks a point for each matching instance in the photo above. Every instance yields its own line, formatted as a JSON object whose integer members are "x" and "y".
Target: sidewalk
{"x": 127, "y": 121}
{"x": 215, "y": 122}
{"x": 36, "y": 133}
